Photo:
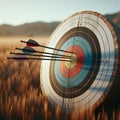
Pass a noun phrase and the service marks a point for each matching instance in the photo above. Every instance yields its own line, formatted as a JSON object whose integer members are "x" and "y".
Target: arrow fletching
{"x": 31, "y": 43}
{"x": 26, "y": 49}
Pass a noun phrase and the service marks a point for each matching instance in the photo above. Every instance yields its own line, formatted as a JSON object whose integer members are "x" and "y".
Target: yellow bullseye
{"x": 72, "y": 63}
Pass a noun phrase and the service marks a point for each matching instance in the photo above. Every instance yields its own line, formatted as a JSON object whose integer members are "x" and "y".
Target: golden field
{"x": 20, "y": 92}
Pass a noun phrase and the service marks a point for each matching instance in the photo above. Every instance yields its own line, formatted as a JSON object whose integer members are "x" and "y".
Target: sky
{"x": 16, "y": 12}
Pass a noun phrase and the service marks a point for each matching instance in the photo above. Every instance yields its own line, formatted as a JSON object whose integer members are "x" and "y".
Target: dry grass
{"x": 20, "y": 93}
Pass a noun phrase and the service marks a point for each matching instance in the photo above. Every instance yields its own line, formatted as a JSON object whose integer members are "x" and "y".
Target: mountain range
{"x": 42, "y": 28}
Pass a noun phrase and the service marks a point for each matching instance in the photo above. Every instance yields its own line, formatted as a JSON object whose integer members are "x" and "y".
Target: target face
{"x": 85, "y": 81}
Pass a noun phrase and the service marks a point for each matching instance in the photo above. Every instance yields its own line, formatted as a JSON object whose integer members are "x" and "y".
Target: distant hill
{"x": 42, "y": 28}
{"x": 29, "y": 29}
{"x": 114, "y": 17}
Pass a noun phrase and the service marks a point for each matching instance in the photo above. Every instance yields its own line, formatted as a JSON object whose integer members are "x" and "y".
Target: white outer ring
{"x": 103, "y": 33}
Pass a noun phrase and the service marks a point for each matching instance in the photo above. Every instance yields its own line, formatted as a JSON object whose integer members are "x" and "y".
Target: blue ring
{"x": 75, "y": 81}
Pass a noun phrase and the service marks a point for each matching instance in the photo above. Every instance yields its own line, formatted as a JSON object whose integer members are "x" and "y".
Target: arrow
{"x": 31, "y": 50}
{"x": 31, "y": 58}
{"x": 39, "y": 55}
{"x": 33, "y": 43}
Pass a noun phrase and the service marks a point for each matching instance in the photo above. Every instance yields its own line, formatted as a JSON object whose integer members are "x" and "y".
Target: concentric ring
{"x": 85, "y": 82}
{"x": 80, "y": 81}
{"x": 71, "y": 69}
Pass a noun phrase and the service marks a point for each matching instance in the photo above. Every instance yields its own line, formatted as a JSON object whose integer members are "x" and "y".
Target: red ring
{"x": 71, "y": 72}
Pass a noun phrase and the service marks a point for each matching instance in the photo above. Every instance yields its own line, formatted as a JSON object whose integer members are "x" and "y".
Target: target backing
{"x": 87, "y": 80}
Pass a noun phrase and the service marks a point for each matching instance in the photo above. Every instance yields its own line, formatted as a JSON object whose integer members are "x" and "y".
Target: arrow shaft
{"x": 55, "y": 49}
{"x": 35, "y": 51}
{"x": 31, "y": 58}
{"x": 34, "y": 44}
{"x": 38, "y": 55}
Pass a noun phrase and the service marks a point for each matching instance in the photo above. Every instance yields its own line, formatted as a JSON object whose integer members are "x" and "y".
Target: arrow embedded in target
{"x": 33, "y": 43}
{"x": 31, "y": 50}
{"x": 33, "y": 58}
{"x": 39, "y": 55}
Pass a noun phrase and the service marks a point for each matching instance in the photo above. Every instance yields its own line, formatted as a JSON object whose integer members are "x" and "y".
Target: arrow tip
{"x": 23, "y": 41}
{"x": 14, "y": 48}
{"x": 6, "y": 58}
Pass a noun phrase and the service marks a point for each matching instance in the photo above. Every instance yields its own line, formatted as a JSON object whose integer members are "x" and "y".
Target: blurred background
{"x": 20, "y": 93}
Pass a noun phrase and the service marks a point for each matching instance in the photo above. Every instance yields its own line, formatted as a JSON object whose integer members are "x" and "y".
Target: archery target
{"x": 86, "y": 80}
